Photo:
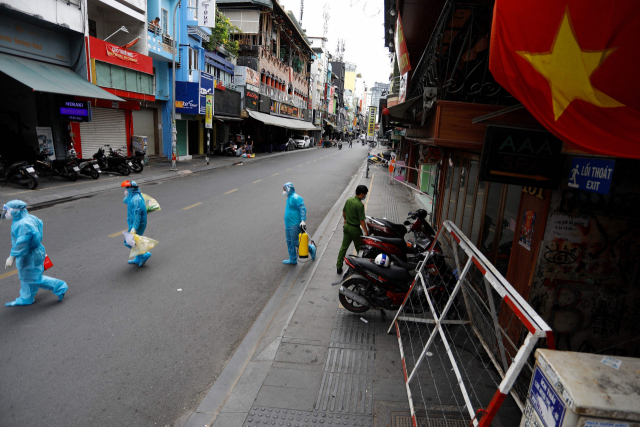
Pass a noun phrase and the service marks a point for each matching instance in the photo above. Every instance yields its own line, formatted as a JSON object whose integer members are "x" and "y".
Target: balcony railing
{"x": 168, "y": 44}
{"x": 455, "y": 62}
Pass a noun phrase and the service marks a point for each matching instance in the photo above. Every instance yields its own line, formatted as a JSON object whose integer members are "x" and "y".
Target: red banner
{"x": 124, "y": 54}
{"x": 573, "y": 64}
{"x": 401, "y": 49}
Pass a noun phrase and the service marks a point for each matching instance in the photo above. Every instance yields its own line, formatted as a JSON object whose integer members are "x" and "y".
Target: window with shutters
{"x": 112, "y": 76}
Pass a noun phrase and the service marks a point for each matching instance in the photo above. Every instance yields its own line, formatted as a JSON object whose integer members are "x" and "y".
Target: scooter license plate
{"x": 96, "y": 167}
{"x": 31, "y": 170}
{"x": 130, "y": 164}
{"x": 77, "y": 169}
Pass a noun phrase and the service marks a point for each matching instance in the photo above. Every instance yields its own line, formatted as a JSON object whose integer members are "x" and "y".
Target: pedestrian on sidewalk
{"x": 295, "y": 215}
{"x": 29, "y": 254}
{"x": 136, "y": 217}
{"x": 354, "y": 225}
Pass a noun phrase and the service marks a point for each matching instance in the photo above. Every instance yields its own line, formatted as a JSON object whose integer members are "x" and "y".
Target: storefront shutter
{"x": 107, "y": 127}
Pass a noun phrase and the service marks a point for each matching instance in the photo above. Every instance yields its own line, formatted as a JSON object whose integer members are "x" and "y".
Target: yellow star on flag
{"x": 568, "y": 69}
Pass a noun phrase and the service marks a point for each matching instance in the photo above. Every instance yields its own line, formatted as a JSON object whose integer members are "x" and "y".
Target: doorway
{"x": 181, "y": 137}
{"x": 194, "y": 136}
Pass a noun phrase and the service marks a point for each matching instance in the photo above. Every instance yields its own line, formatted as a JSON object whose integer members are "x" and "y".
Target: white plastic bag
{"x": 128, "y": 237}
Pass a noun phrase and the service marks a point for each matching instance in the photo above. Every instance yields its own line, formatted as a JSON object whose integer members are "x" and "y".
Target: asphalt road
{"x": 126, "y": 347}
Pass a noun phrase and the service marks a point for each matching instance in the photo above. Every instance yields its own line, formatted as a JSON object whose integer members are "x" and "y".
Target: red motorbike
{"x": 372, "y": 246}
{"x": 385, "y": 228}
{"x": 366, "y": 285}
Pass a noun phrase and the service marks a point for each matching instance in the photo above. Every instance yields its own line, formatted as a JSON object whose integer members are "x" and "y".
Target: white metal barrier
{"x": 465, "y": 335}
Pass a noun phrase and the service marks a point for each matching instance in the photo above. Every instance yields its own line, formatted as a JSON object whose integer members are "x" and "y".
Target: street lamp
{"x": 174, "y": 131}
{"x": 123, "y": 28}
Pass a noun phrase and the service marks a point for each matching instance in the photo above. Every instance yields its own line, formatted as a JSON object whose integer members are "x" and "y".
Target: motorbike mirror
{"x": 407, "y": 223}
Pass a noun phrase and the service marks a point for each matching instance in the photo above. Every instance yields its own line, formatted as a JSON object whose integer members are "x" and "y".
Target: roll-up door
{"x": 107, "y": 127}
{"x": 143, "y": 126}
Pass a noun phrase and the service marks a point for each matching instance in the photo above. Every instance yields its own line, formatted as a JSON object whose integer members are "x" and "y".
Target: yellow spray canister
{"x": 303, "y": 247}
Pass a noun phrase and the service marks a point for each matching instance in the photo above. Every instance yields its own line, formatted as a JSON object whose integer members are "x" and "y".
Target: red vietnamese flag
{"x": 574, "y": 65}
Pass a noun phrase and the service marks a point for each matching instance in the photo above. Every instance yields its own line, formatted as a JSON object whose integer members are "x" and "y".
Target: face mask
{"x": 362, "y": 200}
{"x": 8, "y": 214}
{"x": 126, "y": 193}
{"x": 284, "y": 193}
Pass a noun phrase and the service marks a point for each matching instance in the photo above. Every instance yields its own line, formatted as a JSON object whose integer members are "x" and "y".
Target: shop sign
{"x": 402, "y": 95}
{"x": 401, "y": 49}
{"x": 246, "y": 76}
{"x": 287, "y": 110}
{"x": 400, "y": 131}
{"x": 121, "y": 53}
{"x": 371, "y": 126}
{"x": 23, "y": 39}
{"x": 75, "y": 111}
{"x": 227, "y": 103}
{"x": 265, "y": 104}
{"x": 208, "y": 116}
{"x": 591, "y": 174}
{"x": 206, "y": 88}
{"x": 187, "y": 97}
{"x": 251, "y": 99}
{"x": 521, "y": 157}
{"x": 206, "y": 13}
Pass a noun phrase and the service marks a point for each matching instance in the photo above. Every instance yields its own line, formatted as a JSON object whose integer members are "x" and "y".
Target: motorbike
{"x": 66, "y": 168}
{"x": 384, "y": 228}
{"x": 134, "y": 163}
{"x": 339, "y": 145}
{"x": 372, "y": 246}
{"x": 89, "y": 167}
{"x": 366, "y": 285}
{"x": 112, "y": 164}
{"x": 20, "y": 172}
{"x": 138, "y": 159}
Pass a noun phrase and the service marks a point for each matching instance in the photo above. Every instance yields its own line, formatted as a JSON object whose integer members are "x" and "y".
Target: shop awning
{"x": 227, "y": 119}
{"x": 268, "y": 119}
{"x": 329, "y": 123}
{"x": 397, "y": 112}
{"x": 44, "y": 77}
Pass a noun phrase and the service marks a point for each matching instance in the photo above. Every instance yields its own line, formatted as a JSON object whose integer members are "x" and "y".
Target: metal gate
{"x": 466, "y": 337}
{"x": 107, "y": 127}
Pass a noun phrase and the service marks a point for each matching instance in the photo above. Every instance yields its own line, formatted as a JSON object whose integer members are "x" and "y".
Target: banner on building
{"x": 208, "y": 116}
{"x": 206, "y": 88}
{"x": 120, "y": 53}
{"x": 401, "y": 49}
{"x": 206, "y": 13}
{"x": 245, "y": 76}
{"x": 371, "y": 126}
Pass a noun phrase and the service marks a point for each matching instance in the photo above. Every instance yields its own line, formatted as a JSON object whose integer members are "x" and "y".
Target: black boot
{"x": 339, "y": 270}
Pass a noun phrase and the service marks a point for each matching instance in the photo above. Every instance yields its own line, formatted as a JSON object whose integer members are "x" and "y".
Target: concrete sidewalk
{"x": 56, "y": 190}
{"x": 308, "y": 362}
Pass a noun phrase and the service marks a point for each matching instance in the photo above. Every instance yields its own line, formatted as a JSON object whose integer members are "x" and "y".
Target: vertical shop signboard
{"x": 206, "y": 88}
{"x": 208, "y": 115}
{"x": 371, "y": 126}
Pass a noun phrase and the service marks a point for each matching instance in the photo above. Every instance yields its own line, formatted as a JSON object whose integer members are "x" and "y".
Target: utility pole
{"x": 174, "y": 131}
{"x": 301, "y": 11}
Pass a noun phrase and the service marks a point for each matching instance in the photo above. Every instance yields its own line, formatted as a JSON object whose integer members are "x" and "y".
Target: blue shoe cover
{"x": 62, "y": 292}
{"x": 312, "y": 251}
{"x": 136, "y": 260}
{"x": 289, "y": 262}
{"x": 16, "y": 303}
{"x": 144, "y": 258}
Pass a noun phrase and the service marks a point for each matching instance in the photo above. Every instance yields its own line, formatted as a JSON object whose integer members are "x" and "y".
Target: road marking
{"x": 229, "y": 192}
{"x": 308, "y": 162}
{"x": 298, "y": 165}
{"x": 256, "y": 181}
{"x": 315, "y": 160}
{"x": 369, "y": 194}
{"x": 289, "y": 169}
{"x": 192, "y": 206}
{"x": 5, "y": 275}
{"x": 119, "y": 233}
{"x": 277, "y": 173}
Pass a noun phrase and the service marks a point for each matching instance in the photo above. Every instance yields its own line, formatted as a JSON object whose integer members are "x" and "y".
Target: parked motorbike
{"x": 89, "y": 167}
{"x": 20, "y": 172}
{"x": 366, "y": 285}
{"x": 134, "y": 164}
{"x": 384, "y": 228}
{"x": 112, "y": 164}
{"x": 138, "y": 159}
{"x": 372, "y": 246}
{"x": 66, "y": 168}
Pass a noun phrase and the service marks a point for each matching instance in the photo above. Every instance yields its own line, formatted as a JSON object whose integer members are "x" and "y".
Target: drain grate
{"x": 405, "y": 421}
{"x": 260, "y": 416}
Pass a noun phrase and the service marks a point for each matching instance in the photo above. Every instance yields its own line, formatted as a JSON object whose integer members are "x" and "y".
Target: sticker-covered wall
{"x": 586, "y": 283}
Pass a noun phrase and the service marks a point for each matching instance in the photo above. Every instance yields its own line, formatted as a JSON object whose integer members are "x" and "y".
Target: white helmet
{"x": 383, "y": 260}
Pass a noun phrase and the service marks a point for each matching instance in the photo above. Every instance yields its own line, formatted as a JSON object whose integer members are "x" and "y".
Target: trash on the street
{"x": 179, "y": 289}
{"x": 142, "y": 244}
{"x": 151, "y": 203}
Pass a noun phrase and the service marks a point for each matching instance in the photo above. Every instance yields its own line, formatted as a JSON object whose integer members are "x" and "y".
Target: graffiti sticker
{"x": 526, "y": 233}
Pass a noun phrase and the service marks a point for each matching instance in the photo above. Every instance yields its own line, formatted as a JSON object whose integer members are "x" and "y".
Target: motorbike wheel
{"x": 125, "y": 170}
{"x": 352, "y": 306}
{"x": 71, "y": 175}
{"x": 137, "y": 167}
{"x": 94, "y": 174}
{"x": 32, "y": 182}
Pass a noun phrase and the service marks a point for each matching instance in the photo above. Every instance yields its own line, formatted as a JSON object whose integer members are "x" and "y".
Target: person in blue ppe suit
{"x": 136, "y": 217}
{"x": 28, "y": 253}
{"x": 295, "y": 215}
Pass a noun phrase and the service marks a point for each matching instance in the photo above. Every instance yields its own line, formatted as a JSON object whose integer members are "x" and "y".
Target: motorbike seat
{"x": 398, "y": 228}
{"x": 393, "y": 273}
{"x": 395, "y": 241}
